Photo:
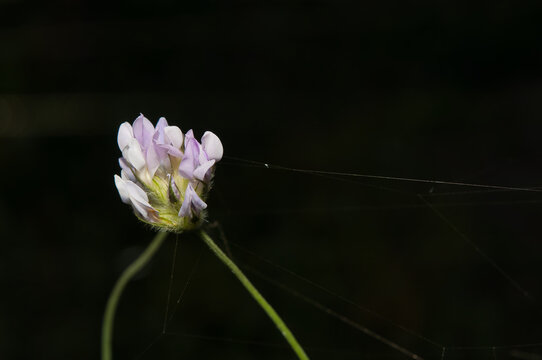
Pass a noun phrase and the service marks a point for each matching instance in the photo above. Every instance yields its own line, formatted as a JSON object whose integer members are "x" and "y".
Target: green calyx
{"x": 166, "y": 197}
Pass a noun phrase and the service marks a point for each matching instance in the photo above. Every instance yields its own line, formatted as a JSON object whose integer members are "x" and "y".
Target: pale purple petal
{"x": 202, "y": 158}
{"x": 185, "y": 207}
{"x": 161, "y": 125}
{"x": 164, "y": 145}
{"x": 192, "y": 203}
{"x": 212, "y": 146}
{"x": 202, "y": 170}
{"x": 174, "y": 187}
{"x": 168, "y": 140}
{"x": 190, "y": 158}
{"x": 172, "y": 151}
{"x": 133, "y": 155}
{"x": 162, "y": 122}
{"x": 143, "y": 131}
{"x": 159, "y": 135}
{"x": 161, "y": 152}
{"x": 186, "y": 168}
{"x": 163, "y": 157}
{"x": 198, "y": 205}
{"x": 153, "y": 160}
{"x": 126, "y": 133}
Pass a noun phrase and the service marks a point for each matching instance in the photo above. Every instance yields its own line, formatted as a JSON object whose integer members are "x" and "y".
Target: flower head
{"x": 165, "y": 175}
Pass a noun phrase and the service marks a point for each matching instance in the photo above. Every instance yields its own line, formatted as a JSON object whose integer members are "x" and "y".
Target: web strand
{"x": 173, "y": 261}
{"x": 409, "y": 331}
{"x": 353, "y": 178}
{"x": 473, "y": 192}
{"x": 229, "y": 340}
{"x": 148, "y": 347}
{"x": 379, "y": 177}
{"x": 328, "y": 311}
{"x": 263, "y": 344}
{"x": 482, "y": 254}
{"x": 405, "y": 206}
{"x": 524, "y": 355}
{"x": 186, "y": 285}
{"x": 340, "y": 297}
{"x": 337, "y": 316}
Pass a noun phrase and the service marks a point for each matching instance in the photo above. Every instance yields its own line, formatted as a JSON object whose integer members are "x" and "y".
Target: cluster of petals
{"x": 164, "y": 171}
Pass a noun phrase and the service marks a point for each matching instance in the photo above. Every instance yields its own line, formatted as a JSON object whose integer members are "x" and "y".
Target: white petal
{"x": 212, "y": 146}
{"x": 131, "y": 193}
{"x": 133, "y": 154}
{"x": 126, "y": 133}
{"x": 127, "y": 176}
{"x": 121, "y": 187}
{"x": 126, "y": 172}
{"x": 136, "y": 193}
{"x": 175, "y": 136}
{"x": 144, "y": 210}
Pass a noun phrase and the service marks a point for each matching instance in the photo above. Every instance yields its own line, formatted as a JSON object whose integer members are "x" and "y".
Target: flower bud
{"x": 165, "y": 175}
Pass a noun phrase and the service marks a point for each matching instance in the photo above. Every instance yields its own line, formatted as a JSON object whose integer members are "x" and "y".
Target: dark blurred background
{"x": 421, "y": 90}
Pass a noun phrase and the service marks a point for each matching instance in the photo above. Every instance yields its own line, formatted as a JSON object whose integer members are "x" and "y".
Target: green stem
{"x": 256, "y": 295}
{"x": 134, "y": 268}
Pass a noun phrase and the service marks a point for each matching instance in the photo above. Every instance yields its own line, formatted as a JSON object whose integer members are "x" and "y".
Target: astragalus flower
{"x": 166, "y": 176}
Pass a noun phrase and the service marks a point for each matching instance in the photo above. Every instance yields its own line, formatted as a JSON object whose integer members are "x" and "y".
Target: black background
{"x": 421, "y": 90}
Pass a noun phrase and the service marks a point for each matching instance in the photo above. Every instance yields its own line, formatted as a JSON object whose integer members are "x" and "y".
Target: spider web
{"x": 385, "y": 294}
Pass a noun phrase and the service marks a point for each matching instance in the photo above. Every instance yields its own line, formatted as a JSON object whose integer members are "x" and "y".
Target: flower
{"x": 165, "y": 175}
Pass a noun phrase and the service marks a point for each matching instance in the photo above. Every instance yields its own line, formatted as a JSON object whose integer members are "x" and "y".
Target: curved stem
{"x": 111, "y": 307}
{"x": 256, "y": 295}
